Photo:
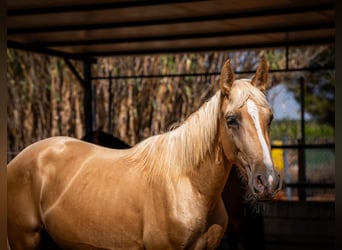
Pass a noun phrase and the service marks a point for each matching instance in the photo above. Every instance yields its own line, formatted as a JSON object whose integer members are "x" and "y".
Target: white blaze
{"x": 270, "y": 179}
{"x": 254, "y": 113}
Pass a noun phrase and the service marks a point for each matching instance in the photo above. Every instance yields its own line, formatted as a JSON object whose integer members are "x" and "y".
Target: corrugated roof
{"x": 78, "y": 28}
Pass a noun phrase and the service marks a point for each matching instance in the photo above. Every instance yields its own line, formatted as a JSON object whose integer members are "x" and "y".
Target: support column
{"x": 302, "y": 141}
{"x": 110, "y": 104}
{"x": 88, "y": 97}
{"x": 89, "y": 101}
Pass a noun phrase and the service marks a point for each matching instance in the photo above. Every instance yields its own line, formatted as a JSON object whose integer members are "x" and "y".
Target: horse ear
{"x": 227, "y": 78}
{"x": 260, "y": 78}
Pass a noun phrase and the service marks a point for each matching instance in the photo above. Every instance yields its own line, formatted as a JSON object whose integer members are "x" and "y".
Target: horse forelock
{"x": 243, "y": 89}
{"x": 181, "y": 150}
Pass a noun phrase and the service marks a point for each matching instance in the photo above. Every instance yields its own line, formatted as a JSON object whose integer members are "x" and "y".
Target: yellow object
{"x": 278, "y": 155}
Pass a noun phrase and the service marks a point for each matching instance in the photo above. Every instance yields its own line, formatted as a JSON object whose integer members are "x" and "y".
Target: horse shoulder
{"x": 216, "y": 226}
{"x": 176, "y": 213}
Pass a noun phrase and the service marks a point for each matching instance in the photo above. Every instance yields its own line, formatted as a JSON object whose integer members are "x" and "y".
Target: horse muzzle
{"x": 265, "y": 186}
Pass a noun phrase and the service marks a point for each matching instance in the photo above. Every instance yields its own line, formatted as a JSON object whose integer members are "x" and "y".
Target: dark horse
{"x": 104, "y": 139}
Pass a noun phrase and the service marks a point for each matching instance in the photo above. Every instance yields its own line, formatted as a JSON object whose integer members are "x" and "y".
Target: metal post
{"x": 88, "y": 97}
{"x": 93, "y": 105}
{"x": 301, "y": 151}
{"x": 286, "y": 169}
{"x": 110, "y": 104}
{"x": 287, "y": 58}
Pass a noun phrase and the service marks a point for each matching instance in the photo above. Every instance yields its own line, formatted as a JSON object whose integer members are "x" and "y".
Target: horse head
{"x": 244, "y": 130}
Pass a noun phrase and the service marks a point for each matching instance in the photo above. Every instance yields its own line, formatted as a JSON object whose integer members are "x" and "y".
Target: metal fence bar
{"x": 305, "y": 146}
{"x": 206, "y": 73}
{"x": 310, "y": 185}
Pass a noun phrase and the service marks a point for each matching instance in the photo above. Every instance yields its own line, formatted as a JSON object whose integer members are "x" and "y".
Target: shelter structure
{"x": 84, "y": 30}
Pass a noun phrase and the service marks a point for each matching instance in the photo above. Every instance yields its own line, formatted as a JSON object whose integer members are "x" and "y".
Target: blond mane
{"x": 181, "y": 150}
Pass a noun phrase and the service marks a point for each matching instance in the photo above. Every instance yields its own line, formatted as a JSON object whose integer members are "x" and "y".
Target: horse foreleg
{"x": 217, "y": 225}
{"x": 20, "y": 239}
{"x": 24, "y": 225}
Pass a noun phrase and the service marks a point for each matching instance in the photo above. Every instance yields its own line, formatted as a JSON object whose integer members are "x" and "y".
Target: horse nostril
{"x": 257, "y": 191}
{"x": 265, "y": 186}
{"x": 259, "y": 180}
{"x": 258, "y": 186}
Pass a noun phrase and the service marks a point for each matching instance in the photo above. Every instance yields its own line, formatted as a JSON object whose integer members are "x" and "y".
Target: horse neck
{"x": 212, "y": 175}
{"x": 181, "y": 150}
{"x": 191, "y": 150}
{"x": 211, "y": 172}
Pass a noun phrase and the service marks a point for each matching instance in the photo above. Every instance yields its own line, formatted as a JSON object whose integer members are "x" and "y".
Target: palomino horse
{"x": 244, "y": 229}
{"x": 163, "y": 193}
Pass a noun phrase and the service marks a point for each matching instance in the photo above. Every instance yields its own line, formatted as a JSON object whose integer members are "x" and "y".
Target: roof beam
{"x": 139, "y": 23}
{"x": 306, "y": 27}
{"x": 75, "y": 72}
{"x": 47, "y": 51}
{"x": 320, "y": 41}
{"x": 92, "y": 7}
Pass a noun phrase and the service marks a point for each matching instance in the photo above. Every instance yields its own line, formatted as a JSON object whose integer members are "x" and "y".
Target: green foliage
{"x": 290, "y": 129}
{"x": 319, "y": 87}
{"x": 276, "y": 59}
{"x": 284, "y": 128}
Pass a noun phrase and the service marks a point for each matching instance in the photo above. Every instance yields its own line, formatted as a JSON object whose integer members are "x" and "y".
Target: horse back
{"x": 75, "y": 190}
{"x": 60, "y": 181}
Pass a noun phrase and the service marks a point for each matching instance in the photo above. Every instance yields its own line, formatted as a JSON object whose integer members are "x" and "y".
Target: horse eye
{"x": 232, "y": 121}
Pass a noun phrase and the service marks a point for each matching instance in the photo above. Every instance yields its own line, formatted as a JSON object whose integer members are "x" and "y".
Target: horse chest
{"x": 174, "y": 214}
{"x": 184, "y": 203}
